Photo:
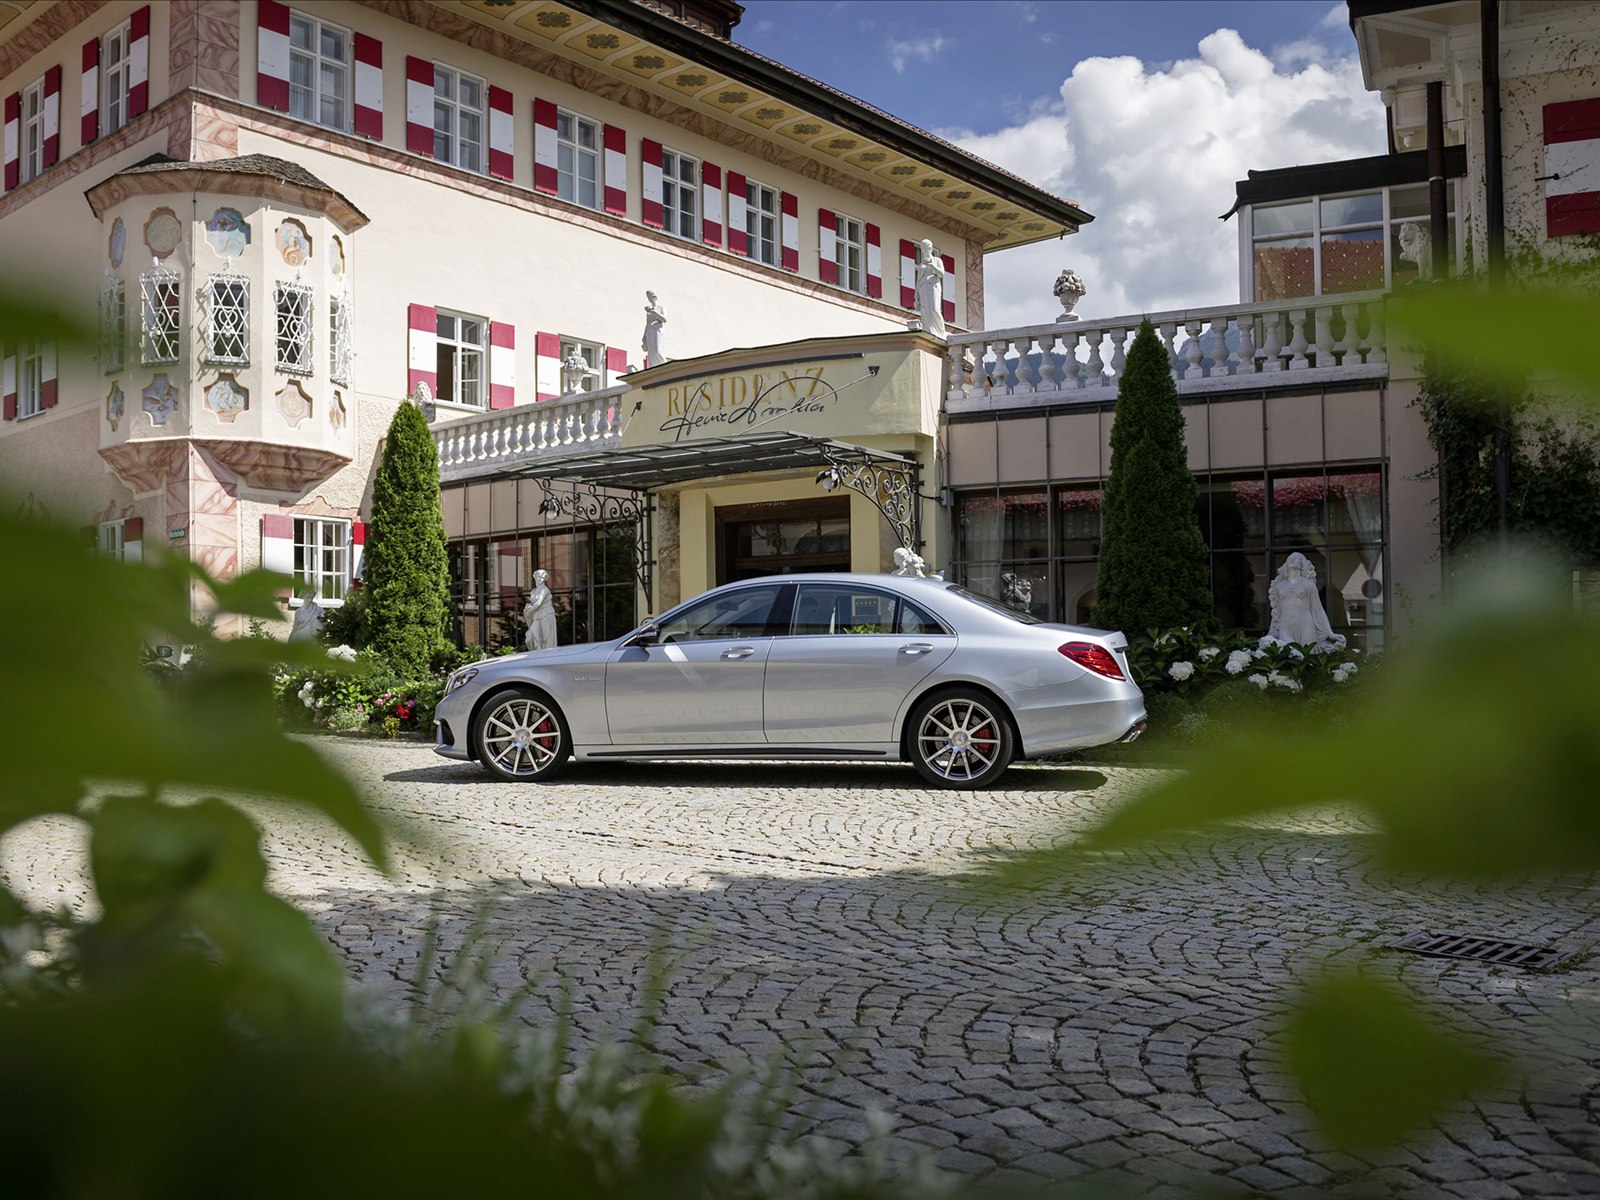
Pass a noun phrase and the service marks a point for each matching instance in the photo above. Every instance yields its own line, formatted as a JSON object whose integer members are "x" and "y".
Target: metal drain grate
{"x": 1481, "y": 950}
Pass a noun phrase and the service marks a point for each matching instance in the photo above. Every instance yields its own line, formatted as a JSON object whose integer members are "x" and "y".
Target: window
{"x": 594, "y": 358}
{"x": 680, "y": 194}
{"x": 115, "y": 64}
{"x": 761, "y": 222}
{"x": 851, "y": 253}
{"x": 159, "y": 293}
{"x": 339, "y": 351}
{"x": 113, "y": 326}
{"x": 227, "y": 319}
{"x": 578, "y": 159}
{"x": 294, "y": 328}
{"x": 319, "y": 71}
{"x": 111, "y": 544}
{"x": 740, "y": 614}
{"x": 32, "y": 131}
{"x": 461, "y": 347}
{"x": 30, "y": 379}
{"x": 457, "y": 118}
{"x": 837, "y": 608}
{"x": 322, "y": 557}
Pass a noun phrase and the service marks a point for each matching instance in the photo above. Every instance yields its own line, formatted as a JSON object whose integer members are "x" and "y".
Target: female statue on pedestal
{"x": 655, "y": 316}
{"x": 540, "y": 614}
{"x": 930, "y": 289}
{"x": 1297, "y": 612}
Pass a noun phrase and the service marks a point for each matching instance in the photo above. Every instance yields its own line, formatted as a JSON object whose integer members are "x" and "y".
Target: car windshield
{"x": 993, "y": 605}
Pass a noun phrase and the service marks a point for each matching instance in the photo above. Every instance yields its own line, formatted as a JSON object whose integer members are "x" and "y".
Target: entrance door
{"x": 782, "y": 538}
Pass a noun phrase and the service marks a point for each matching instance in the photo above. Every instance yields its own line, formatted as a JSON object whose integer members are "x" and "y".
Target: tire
{"x": 959, "y": 739}
{"x": 521, "y": 736}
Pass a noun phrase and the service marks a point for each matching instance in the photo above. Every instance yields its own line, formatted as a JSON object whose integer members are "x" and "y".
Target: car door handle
{"x": 739, "y": 652}
{"x": 916, "y": 648}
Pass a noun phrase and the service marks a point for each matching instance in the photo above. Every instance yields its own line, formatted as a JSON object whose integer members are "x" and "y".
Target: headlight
{"x": 460, "y": 679}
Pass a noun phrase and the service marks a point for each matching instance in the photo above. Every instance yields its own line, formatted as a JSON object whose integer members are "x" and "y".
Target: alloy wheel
{"x": 522, "y": 737}
{"x": 959, "y": 739}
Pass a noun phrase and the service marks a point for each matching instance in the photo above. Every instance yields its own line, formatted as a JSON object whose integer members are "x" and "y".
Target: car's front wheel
{"x": 522, "y": 736}
{"x": 960, "y": 739}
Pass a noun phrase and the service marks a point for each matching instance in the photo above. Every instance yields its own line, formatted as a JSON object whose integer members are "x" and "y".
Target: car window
{"x": 1022, "y": 617}
{"x": 915, "y": 620}
{"x": 738, "y": 614}
{"x": 842, "y": 608}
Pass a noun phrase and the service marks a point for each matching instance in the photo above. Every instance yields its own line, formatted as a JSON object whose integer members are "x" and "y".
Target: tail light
{"x": 1093, "y": 658}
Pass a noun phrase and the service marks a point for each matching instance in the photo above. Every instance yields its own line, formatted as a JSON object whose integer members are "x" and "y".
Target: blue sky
{"x": 1143, "y": 111}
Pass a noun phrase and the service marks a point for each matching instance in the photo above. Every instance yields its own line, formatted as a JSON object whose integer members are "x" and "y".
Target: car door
{"x": 701, "y": 681}
{"x": 851, "y": 654}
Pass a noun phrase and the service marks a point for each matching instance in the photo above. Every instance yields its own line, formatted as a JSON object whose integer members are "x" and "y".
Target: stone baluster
{"x": 1247, "y": 345}
{"x": 1119, "y": 346}
{"x": 1297, "y": 340}
{"x": 1049, "y": 373}
{"x": 1377, "y": 341}
{"x": 1324, "y": 327}
{"x": 1168, "y": 332}
{"x": 1094, "y": 375}
{"x": 1349, "y": 347}
{"x": 999, "y": 371}
{"x": 1071, "y": 369}
{"x": 1219, "y": 347}
{"x": 1192, "y": 353}
{"x": 1025, "y": 372}
{"x": 1273, "y": 351}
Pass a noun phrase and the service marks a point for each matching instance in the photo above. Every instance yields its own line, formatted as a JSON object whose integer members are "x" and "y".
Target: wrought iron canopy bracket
{"x": 892, "y": 485}
{"x": 599, "y": 505}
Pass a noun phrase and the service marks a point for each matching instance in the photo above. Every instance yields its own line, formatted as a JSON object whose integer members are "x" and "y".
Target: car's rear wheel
{"x": 960, "y": 739}
{"x": 522, "y": 736}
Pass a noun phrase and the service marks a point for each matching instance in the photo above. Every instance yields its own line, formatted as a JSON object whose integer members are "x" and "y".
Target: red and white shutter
{"x": 133, "y": 539}
{"x": 51, "y": 118}
{"x": 13, "y": 139}
{"x": 422, "y": 349}
{"x": 616, "y": 364}
{"x": 358, "y": 548}
{"x": 1572, "y": 167}
{"x": 546, "y": 176}
{"x": 652, "y": 209}
{"x": 47, "y": 376}
{"x": 711, "y": 204}
{"x": 419, "y": 105}
{"x": 277, "y": 543}
{"x": 501, "y": 146}
{"x": 790, "y": 208}
{"x": 8, "y": 386}
{"x": 89, "y": 93}
{"x": 546, "y": 366}
{"x": 738, "y": 235}
{"x": 502, "y": 365}
{"x": 948, "y": 308}
{"x": 272, "y": 55}
{"x": 827, "y": 246}
{"x": 139, "y": 61}
{"x": 874, "y": 262}
{"x": 908, "y": 274}
{"x": 368, "y": 110}
{"x": 614, "y": 170}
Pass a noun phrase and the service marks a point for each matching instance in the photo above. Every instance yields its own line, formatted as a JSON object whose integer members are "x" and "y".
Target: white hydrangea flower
{"x": 1258, "y": 655}
{"x": 346, "y": 653}
{"x": 1342, "y": 673}
{"x": 1267, "y": 643}
{"x": 1283, "y": 681}
{"x": 1238, "y": 661}
{"x": 1260, "y": 681}
{"x": 1208, "y": 653}
{"x": 1181, "y": 670}
{"x": 1294, "y": 652}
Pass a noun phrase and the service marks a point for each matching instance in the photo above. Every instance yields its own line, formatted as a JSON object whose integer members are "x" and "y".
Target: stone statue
{"x": 540, "y": 614}
{"x": 573, "y": 370}
{"x": 655, "y": 316}
{"x": 908, "y": 562}
{"x": 1416, "y": 245}
{"x": 1297, "y": 613}
{"x": 307, "y": 618}
{"x": 1016, "y": 592}
{"x": 930, "y": 289}
{"x": 1069, "y": 290}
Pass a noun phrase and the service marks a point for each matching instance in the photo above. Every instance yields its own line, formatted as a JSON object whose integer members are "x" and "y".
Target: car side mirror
{"x": 647, "y": 635}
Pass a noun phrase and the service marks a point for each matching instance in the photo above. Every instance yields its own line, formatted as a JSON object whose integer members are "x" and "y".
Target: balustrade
{"x": 1269, "y": 344}
{"x": 525, "y": 433}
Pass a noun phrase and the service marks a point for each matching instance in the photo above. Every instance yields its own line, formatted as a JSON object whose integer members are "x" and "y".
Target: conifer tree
{"x": 407, "y": 573}
{"x": 1153, "y": 560}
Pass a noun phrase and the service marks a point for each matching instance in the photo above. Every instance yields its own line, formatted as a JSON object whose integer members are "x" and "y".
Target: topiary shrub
{"x": 406, "y": 617}
{"x": 1153, "y": 560}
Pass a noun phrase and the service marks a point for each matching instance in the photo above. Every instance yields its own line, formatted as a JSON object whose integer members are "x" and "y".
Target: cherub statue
{"x": 908, "y": 562}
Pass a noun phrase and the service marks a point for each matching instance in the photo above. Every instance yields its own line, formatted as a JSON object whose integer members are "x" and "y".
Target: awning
{"x": 646, "y": 467}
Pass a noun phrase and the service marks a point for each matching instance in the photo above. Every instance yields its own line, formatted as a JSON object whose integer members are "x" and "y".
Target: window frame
{"x": 230, "y": 320}
{"x": 302, "y": 342}
{"x": 568, "y": 176}
{"x": 111, "y": 542}
{"x": 30, "y": 379}
{"x": 160, "y": 317}
{"x": 341, "y": 353}
{"x": 451, "y": 102}
{"x": 115, "y": 77}
{"x": 30, "y": 144}
{"x": 319, "y": 61}
{"x": 768, "y": 249}
{"x": 462, "y": 352}
{"x": 852, "y": 276}
{"x": 680, "y": 219}
{"x": 113, "y": 326}
{"x": 316, "y": 548}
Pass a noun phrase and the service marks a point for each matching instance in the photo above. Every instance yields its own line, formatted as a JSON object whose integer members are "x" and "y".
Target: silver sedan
{"x": 869, "y": 667}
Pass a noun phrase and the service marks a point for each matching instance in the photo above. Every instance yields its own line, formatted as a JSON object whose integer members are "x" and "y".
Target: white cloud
{"x": 1154, "y": 153}
{"x": 924, "y": 49}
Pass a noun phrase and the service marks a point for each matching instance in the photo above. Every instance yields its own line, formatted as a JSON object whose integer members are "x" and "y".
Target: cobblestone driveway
{"x": 1117, "y": 1023}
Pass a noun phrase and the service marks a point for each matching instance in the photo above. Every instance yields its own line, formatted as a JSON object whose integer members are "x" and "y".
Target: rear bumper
{"x": 1051, "y": 725}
